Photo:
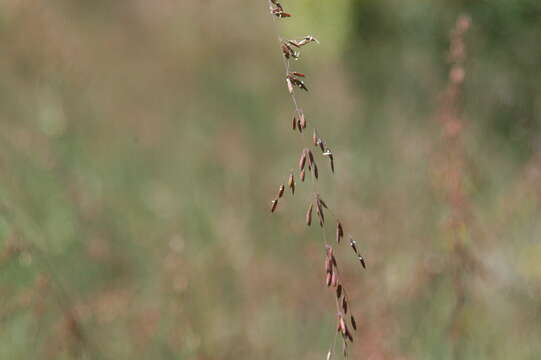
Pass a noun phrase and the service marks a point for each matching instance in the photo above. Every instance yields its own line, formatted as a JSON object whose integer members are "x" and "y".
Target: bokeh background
{"x": 142, "y": 141}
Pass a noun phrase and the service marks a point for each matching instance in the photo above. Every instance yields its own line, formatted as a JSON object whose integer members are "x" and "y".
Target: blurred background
{"x": 142, "y": 141}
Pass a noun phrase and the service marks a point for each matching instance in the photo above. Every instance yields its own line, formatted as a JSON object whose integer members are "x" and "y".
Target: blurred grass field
{"x": 141, "y": 143}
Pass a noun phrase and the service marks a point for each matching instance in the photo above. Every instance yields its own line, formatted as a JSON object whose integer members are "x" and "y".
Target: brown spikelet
{"x": 319, "y": 212}
{"x": 302, "y": 121}
{"x": 316, "y": 171}
{"x": 329, "y": 251}
{"x": 353, "y": 245}
{"x": 339, "y": 232}
{"x": 363, "y": 263}
{"x": 302, "y": 175}
{"x": 353, "y": 323}
{"x": 274, "y": 204}
{"x": 334, "y": 279}
{"x": 281, "y": 191}
{"x": 342, "y": 325}
{"x": 339, "y": 291}
{"x": 288, "y": 52}
{"x": 320, "y": 200}
{"x": 345, "y": 305}
{"x": 294, "y": 123}
{"x": 302, "y": 160}
{"x": 310, "y": 157}
{"x": 309, "y": 215}
{"x": 314, "y": 137}
{"x": 291, "y": 183}
{"x": 328, "y": 265}
{"x": 328, "y": 278}
{"x": 348, "y": 335}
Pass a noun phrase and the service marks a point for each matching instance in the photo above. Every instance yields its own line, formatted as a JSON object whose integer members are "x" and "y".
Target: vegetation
{"x": 140, "y": 141}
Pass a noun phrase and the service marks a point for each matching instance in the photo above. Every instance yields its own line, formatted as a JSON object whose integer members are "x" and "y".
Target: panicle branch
{"x": 290, "y": 50}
